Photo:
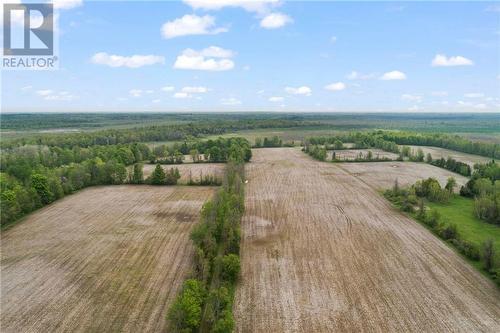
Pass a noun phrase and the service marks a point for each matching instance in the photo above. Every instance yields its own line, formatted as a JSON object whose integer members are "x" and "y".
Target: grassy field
{"x": 460, "y": 211}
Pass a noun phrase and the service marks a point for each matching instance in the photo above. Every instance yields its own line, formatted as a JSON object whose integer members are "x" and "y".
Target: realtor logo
{"x": 39, "y": 32}
{"x": 29, "y": 41}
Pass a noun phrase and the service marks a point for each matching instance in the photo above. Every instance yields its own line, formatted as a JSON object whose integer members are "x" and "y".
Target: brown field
{"x": 381, "y": 175}
{"x": 437, "y": 153}
{"x": 322, "y": 251}
{"x": 352, "y": 154}
{"x": 196, "y": 169}
{"x": 107, "y": 259}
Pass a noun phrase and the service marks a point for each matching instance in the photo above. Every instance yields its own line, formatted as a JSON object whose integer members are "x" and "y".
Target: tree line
{"x": 205, "y": 301}
{"x": 217, "y": 150}
{"x": 33, "y": 176}
{"x": 150, "y": 133}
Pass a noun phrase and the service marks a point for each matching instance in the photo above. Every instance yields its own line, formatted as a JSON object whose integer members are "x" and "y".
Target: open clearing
{"x": 195, "y": 169}
{"x": 352, "y": 154}
{"x": 438, "y": 153}
{"x": 107, "y": 259}
{"x": 322, "y": 251}
{"x": 381, "y": 175}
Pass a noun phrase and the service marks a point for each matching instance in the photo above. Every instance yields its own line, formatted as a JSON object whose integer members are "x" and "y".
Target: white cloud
{"x": 51, "y": 95}
{"x": 359, "y": 76}
{"x": 135, "y": 61}
{"x": 155, "y": 101}
{"x": 493, "y": 8}
{"x": 26, "y": 88}
{"x": 473, "y": 95}
{"x": 414, "y": 108}
{"x": 472, "y": 105}
{"x": 275, "y": 20}
{"x": 205, "y": 59}
{"x": 439, "y": 93}
{"x": 168, "y": 88}
{"x": 276, "y": 99}
{"x": 304, "y": 90}
{"x": 333, "y": 39}
{"x": 393, "y": 75}
{"x": 337, "y": 86}
{"x": 190, "y": 25}
{"x": 440, "y": 60}
{"x": 194, "y": 90}
{"x": 230, "y": 101}
{"x": 135, "y": 92}
{"x": 45, "y": 92}
{"x": 181, "y": 95}
{"x": 411, "y": 98}
{"x": 258, "y": 6}
{"x": 67, "y": 4}
{"x": 246, "y": 68}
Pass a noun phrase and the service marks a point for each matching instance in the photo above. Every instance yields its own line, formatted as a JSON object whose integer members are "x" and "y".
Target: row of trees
{"x": 411, "y": 200}
{"x": 205, "y": 302}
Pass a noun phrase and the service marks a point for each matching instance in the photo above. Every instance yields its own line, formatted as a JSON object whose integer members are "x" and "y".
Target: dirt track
{"x": 107, "y": 259}
{"x": 322, "y": 251}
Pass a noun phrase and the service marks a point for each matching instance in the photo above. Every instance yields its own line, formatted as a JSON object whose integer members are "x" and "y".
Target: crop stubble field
{"x": 352, "y": 154}
{"x": 438, "y": 153}
{"x": 381, "y": 175}
{"x": 322, "y": 251}
{"x": 106, "y": 259}
{"x": 195, "y": 169}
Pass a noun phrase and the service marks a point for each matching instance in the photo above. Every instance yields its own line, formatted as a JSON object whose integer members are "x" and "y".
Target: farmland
{"x": 437, "y": 153}
{"x": 196, "y": 170}
{"x": 322, "y": 251}
{"x": 382, "y": 176}
{"x": 105, "y": 259}
{"x": 352, "y": 154}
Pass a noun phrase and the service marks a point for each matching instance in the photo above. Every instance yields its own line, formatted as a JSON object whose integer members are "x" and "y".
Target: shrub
{"x": 230, "y": 267}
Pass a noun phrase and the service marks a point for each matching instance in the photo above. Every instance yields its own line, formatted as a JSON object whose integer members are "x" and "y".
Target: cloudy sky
{"x": 233, "y": 55}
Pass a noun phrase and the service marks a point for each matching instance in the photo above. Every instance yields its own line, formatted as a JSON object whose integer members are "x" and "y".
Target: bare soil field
{"x": 322, "y": 251}
{"x": 381, "y": 175}
{"x": 437, "y": 153}
{"x": 107, "y": 259}
{"x": 195, "y": 169}
{"x": 352, "y": 154}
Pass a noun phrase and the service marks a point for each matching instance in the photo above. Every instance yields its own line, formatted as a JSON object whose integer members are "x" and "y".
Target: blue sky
{"x": 195, "y": 55}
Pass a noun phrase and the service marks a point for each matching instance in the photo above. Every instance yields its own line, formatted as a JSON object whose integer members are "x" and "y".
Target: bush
{"x": 230, "y": 267}
{"x": 449, "y": 232}
{"x": 185, "y": 313}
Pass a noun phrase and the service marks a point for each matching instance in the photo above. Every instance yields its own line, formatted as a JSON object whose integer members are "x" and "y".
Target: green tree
{"x": 451, "y": 184}
{"x": 185, "y": 313}
{"x": 138, "y": 174}
{"x": 40, "y": 184}
{"x": 158, "y": 176}
{"x": 230, "y": 267}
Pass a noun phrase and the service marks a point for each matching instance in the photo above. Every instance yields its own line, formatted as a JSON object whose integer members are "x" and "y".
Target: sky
{"x": 279, "y": 56}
